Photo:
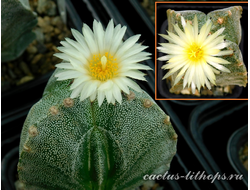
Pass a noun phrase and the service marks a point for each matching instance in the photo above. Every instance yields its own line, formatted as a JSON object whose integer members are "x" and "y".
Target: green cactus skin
{"x": 16, "y": 25}
{"x": 68, "y": 144}
{"x": 228, "y": 18}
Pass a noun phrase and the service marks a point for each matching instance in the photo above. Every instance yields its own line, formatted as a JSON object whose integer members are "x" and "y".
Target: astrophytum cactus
{"x": 16, "y": 28}
{"x": 79, "y": 143}
{"x": 216, "y": 34}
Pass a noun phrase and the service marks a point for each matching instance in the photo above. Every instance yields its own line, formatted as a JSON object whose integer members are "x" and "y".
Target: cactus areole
{"x": 68, "y": 143}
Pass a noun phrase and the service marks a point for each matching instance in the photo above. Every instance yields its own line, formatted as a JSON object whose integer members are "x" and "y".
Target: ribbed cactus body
{"x": 228, "y": 18}
{"x": 72, "y": 144}
{"x": 16, "y": 28}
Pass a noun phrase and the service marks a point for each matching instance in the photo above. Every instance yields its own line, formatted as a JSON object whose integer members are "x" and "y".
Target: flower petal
{"x": 80, "y": 39}
{"x": 166, "y": 57}
{"x": 170, "y": 51}
{"x": 134, "y": 74}
{"x": 214, "y": 43}
{"x": 117, "y": 40}
{"x": 193, "y": 87}
{"x": 107, "y": 85}
{"x": 185, "y": 80}
{"x": 89, "y": 38}
{"x": 134, "y": 50}
{"x": 212, "y": 51}
{"x": 121, "y": 85}
{"x": 180, "y": 74}
{"x": 222, "y": 45}
{"x": 183, "y": 22}
{"x": 117, "y": 93}
{"x": 225, "y": 52}
{"x": 189, "y": 32}
{"x": 136, "y": 66}
{"x": 173, "y": 64}
{"x": 73, "y": 53}
{"x": 172, "y": 47}
{"x": 64, "y": 66}
{"x": 75, "y": 92}
{"x": 213, "y": 36}
{"x": 80, "y": 80}
{"x": 181, "y": 34}
{"x": 100, "y": 97}
{"x": 109, "y": 95}
{"x": 195, "y": 28}
{"x": 75, "y": 44}
{"x": 205, "y": 29}
{"x": 216, "y": 60}
{"x": 131, "y": 84}
{"x": 208, "y": 72}
{"x": 219, "y": 67}
{"x": 127, "y": 44}
{"x": 207, "y": 83}
{"x": 68, "y": 74}
{"x": 176, "y": 39}
{"x": 108, "y": 35}
{"x": 93, "y": 96}
{"x": 140, "y": 57}
{"x": 99, "y": 35}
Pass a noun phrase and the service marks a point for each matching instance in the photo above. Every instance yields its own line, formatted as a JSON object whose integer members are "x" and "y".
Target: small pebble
{"x": 40, "y": 22}
{"x": 31, "y": 49}
{"x": 46, "y": 7}
{"x": 39, "y": 35}
{"x": 36, "y": 58}
{"x": 227, "y": 89}
{"x": 185, "y": 91}
{"x": 206, "y": 92}
{"x": 25, "y": 68}
{"x": 47, "y": 38}
{"x": 57, "y": 31}
{"x": 47, "y": 20}
{"x": 61, "y": 37}
{"x": 25, "y": 79}
{"x": 48, "y": 28}
{"x": 51, "y": 11}
{"x": 57, "y": 21}
{"x": 218, "y": 92}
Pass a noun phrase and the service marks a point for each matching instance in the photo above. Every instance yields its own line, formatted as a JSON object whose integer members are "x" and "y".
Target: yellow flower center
{"x": 103, "y": 67}
{"x": 194, "y": 52}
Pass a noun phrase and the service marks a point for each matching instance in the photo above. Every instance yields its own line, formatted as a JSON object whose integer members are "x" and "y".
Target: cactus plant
{"x": 225, "y": 21}
{"x": 16, "y": 25}
{"x": 84, "y": 143}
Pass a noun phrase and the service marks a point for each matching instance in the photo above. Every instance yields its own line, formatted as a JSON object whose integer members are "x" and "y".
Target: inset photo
{"x": 201, "y": 50}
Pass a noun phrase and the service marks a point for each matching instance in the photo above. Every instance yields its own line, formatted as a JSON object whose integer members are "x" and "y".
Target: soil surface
{"x": 38, "y": 58}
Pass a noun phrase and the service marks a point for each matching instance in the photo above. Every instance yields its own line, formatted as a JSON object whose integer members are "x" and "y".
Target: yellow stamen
{"x": 103, "y": 67}
{"x": 194, "y": 52}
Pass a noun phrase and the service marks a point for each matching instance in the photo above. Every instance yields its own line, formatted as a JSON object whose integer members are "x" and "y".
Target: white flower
{"x": 101, "y": 64}
{"x": 194, "y": 54}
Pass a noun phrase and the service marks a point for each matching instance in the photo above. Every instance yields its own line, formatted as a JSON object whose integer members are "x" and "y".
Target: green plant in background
{"x": 94, "y": 128}
{"x": 16, "y": 28}
{"x": 198, "y": 46}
